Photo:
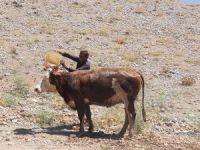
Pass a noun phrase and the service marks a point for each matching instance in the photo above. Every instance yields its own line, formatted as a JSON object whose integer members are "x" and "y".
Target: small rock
{"x": 162, "y": 109}
{"x": 6, "y": 74}
{"x": 165, "y": 144}
{"x": 175, "y": 120}
{"x": 169, "y": 124}
{"x": 72, "y": 135}
{"x": 65, "y": 110}
{"x": 144, "y": 63}
{"x": 3, "y": 123}
{"x": 7, "y": 139}
{"x": 14, "y": 120}
{"x": 27, "y": 139}
{"x": 137, "y": 145}
{"x": 16, "y": 4}
{"x": 10, "y": 143}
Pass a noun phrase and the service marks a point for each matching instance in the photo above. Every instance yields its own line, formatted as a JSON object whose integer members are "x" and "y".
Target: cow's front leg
{"x": 81, "y": 110}
{"x": 89, "y": 119}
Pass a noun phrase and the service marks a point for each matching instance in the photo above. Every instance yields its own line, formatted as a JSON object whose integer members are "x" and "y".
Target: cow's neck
{"x": 61, "y": 86}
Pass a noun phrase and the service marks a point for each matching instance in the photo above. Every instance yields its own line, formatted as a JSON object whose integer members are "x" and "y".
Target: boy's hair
{"x": 85, "y": 53}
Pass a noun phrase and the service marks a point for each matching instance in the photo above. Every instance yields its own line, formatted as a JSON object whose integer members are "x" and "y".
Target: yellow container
{"x": 53, "y": 58}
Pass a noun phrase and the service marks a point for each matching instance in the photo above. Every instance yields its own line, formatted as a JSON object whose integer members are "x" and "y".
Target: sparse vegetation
{"x": 112, "y": 118}
{"x": 44, "y": 118}
{"x": 21, "y": 89}
{"x": 139, "y": 124}
{"x": 7, "y": 100}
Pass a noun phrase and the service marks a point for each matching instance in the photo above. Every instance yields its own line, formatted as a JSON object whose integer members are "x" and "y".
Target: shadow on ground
{"x": 65, "y": 131}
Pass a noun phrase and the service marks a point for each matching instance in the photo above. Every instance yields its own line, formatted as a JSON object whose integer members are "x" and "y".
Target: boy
{"x": 82, "y": 61}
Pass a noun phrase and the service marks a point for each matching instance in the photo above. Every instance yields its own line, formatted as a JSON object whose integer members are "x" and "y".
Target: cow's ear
{"x": 55, "y": 68}
{"x": 56, "y": 73}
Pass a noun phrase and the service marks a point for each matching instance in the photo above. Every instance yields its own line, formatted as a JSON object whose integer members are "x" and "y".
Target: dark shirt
{"x": 80, "y": 65}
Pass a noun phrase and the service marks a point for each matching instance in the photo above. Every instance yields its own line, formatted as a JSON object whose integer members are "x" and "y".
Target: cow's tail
{"x": 143, "y": 109}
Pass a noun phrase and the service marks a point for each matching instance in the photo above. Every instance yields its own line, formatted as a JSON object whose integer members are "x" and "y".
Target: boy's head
{"x": 83, "y": 56}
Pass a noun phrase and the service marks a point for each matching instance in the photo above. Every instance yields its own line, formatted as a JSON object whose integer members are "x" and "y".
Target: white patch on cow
{"x": 71, "y": 104}
{"x": 120, "y": 96}
{"x": 44, "y": 85}
{"x": 86, "y": 100}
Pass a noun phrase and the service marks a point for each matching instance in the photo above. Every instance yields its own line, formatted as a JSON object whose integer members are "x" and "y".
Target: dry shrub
{"x": 7, "y": 100}
{"x": 120, "y": 40}
{"x": 140, "y": 9}
{"x": 188, "y": 81}
{"x": 45, "y": 118}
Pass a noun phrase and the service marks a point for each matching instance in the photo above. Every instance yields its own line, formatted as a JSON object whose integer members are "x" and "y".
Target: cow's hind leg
{"x": 123, "y": 130}
{"x": 131, "y": 109}
{"x": 81, "y": 111}
{"x": 89, "y": 119}
{"x": 129, "y": 116}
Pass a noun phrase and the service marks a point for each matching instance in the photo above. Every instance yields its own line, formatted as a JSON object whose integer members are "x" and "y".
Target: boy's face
{"x": 82, "y": 57}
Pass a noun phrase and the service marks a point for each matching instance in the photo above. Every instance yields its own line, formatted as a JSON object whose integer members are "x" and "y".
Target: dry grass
{"x": 178, "y": 53}
{"x": 195, "y": 61}
{"x": 13, "y": 51}
{"x": 58, "y": 103}
{"x": 157, "y": 52}
{"x": 165, "y": 40}
{"x": 103, "y": 32}
{"x": 188, "y": 81}
{"x": 107, "y": 147}
{"x": 129, "y": 57}
{"x": 114, "y": 19}
{"x": 47, "y": 29}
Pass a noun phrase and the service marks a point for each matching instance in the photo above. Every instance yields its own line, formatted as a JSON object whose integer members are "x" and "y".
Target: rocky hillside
{"x": 160, "y": 37}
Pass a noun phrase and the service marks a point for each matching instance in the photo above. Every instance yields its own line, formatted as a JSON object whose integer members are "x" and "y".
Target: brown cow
{"x": 104, "y": 87}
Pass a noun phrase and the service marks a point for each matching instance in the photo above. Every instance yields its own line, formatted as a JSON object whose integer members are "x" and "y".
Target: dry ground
{"x": 160, "y": 38}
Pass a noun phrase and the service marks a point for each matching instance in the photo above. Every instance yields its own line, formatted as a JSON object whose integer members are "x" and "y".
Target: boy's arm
{"x": 74, "y": 58}
{"x": 64, "y": 65}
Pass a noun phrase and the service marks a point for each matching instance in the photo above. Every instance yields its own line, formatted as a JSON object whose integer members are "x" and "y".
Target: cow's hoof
{"x": 118, "y": 136}
{"x": 130, "y": 135}
{"x": 80, "y": 134}
{"x": 90, "y": 130}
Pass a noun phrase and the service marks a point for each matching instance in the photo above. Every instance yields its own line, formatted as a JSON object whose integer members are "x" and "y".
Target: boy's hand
{"x": 63, "y": 63}
{"x": 57, "y": 51}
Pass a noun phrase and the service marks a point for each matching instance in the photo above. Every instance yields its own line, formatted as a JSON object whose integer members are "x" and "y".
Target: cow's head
{"x": 47, "y": 84}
